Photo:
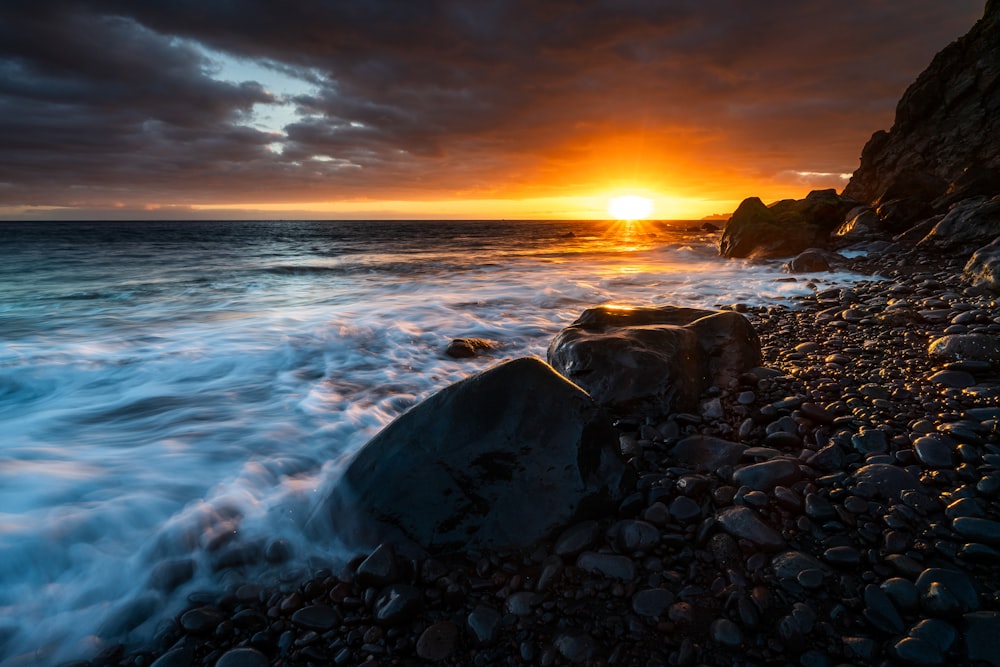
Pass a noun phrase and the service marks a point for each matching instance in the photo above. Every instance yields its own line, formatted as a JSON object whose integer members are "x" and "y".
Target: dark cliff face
{"x": 947, "y": 122}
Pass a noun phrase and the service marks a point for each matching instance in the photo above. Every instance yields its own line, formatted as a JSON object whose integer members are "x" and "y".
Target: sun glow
{"x": 630, "y": 207}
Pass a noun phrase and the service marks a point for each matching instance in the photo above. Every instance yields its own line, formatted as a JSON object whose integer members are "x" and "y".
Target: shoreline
{"x": 864, "y": 569}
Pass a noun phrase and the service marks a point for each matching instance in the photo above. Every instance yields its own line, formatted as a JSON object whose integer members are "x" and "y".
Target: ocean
{"x": 168, "y": 386}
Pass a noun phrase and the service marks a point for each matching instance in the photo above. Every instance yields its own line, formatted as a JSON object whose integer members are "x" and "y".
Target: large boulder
{"x": 501, "y": 459}
{"x": 983, "y": 268}
{"x": 967, "y": 226}
{"x": 784, "y": 228}
{"x": 947, "y": 121}
{"x": 640, "y": 361}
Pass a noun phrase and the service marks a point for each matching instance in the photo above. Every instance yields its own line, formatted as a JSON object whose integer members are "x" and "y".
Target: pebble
{"x": 379, "y": 569}
{"x": 935, "y": 450}
{"x": 438, "y": 641}
{"x": 577, "y": 538}
{"x": 946, "y": 593}
{"x": 685, "y": 509}
{"x": 880, "y": 611}
{"x": 765, "y": 476}
{"x": 980, "y": 631}
{"x": 726, "y": 632}
{"x": 397, "y": 604}
{"x": 979, "y": 530}
{"x": 743, "y": 522}
{"x": 652, "y": 602}
{"x": 318, "y": 617}
{"x": 608, "y": 565}
{"x": 957, "y": 379}
{"x": 577, "y": 648}
{"x": 243, "y": 657}
{"x": 484, "y": 624}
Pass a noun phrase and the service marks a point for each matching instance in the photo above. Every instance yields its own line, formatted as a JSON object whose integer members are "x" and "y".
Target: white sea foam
{"x": 164, "y": 388}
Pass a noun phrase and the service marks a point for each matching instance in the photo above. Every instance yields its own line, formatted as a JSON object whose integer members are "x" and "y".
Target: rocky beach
{"x": 809, "y": 485}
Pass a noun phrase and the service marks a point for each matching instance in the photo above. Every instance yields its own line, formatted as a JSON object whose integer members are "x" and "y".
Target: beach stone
{"x": 318, "y": 617}
{"x": 939, "y": 634}
{"x": 870, "y": 441}
{"x": 902, "y": 592}
{"x": 983, "y": 268}
{"x": 957, "y": 379}
{"x": 471, "y": 466}
{"x": 397, "y": 604}
{"x": 438, "y": 641}
{"x": 828, "y": 458}
{"x": 484, "y": 623}
{"x": 176, "y": 657}
{"x": 642, "y": 361}
{"x": 946, "y": 593}
{"x": 608, "y": 565}
{"x": 704, "y": 453}
{"x": 685, "y": 509}
{"x": 243, "y": 657}
{"x": 935, "y": 450}
{"x": 577, "y": 648}
{"x": 765, "y": 476}
{"x": 379, "y": 569}
{"x": 968, "y": 225}
{"x": 201, "y": 620}
{"x": 726, "y": 632}
{"x": 631, "y": 535}
{"x": 576, "y": 538}
{"x": 880, "y": 611}
{"x": 811, "y": 260}
{"x": 977, "y": 530}
{"x": 917, "y": 652}
{"x": 466, "y": 348}
{"x": 744, "y": 523}
{"x": 167, "y": 575}
{"x": 885, "y": 480}
{"x": 789, "y": 565}
{"x": 652, "y": 602}
{"x": 965, "y": 347}
{"x": 980, "y": 631}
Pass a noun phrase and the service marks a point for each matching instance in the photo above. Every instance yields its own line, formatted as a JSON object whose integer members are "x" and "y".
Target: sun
{"x": 630, "y": 207}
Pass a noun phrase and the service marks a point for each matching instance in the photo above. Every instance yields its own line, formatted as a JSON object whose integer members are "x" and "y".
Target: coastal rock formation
{"x": 784, "y": 228}
{"x": 500, "y": 459}
{"x": 983, "y": 268}
{"x": 654, "y": 360}
{"x": 967, "y": 226}
{"x": 947, "y": 128}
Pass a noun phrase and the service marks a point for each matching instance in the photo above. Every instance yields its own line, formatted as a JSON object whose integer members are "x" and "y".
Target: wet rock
{"x": 630, "y": 536}
{"x": 278, "y": 551}
{"x": 726, "y": 632}
{"x": 484, "y": 624}
{"x": 318, "y": 617}
{"x": 957, "y": 379}
{"x": 652, "y": 602}
{"x": 168, "y": 575}
{"x": 397, "y": 604}
{"x": 812, "y": 260}
{"x": 917, "y": 652}
{"x": 608, "y": 565}
{"x": 744, "y": 523}
{"x": 765, "y": 476}
{"x": 576, "y": 538}
{"x": 201, "y": 620}
{"x": 946, "y": 593}
{"x": 438, "y": 641}
{"x": 705, "y": 453}
{"x": 880, "y": 611}
{"x": 885, "y": 480}
{"x": 983, "y": 268}
{"x": 935, "y": 450}
{"x": 978, "y": 530}
{"x": 379, "y": 569}
{"x": 465, "y": 348}
{"x": 784, "y": 228}
{"x": 471, "y": 465}
{"x": 685, "y": 509}
{"x": 968, "y": 225}
{"x": 965, "y": 347}
{"x": 243, "y": 657}
{"x": 902, "y": 592}
{"x": 870, "y": 441}
{"x": 577, "y": 648}
{"x": 654, "y": 360}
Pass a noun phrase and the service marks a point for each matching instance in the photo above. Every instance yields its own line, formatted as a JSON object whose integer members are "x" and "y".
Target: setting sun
{"x": 630, "y": 207}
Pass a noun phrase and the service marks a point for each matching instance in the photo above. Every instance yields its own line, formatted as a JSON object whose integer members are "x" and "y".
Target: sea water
{"x": 167, "y": 386}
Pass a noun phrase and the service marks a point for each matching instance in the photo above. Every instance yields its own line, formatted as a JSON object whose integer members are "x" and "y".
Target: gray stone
{"x": 955, "y": 379}
{"x": 880, "y": 611}
{"x": 577, "y": 648}
{"x": 965, "y": 347}
{"x": 917, "y": 652}
{"x": 484, "y": 623}
{"x": 243, "y": 657}
{"x": 968, "y": 225}
{"x": 397, "y": 604}
{"x": 652, "y": 602}
{"x": 576, "y": 538}
{"x": 645, "y": 361}
{"x": 472, "y": 466}
{"x": 685, "y": 509}
{"x": 744, "y": 523}
{"x": 983, "y": 268}
{"x": 438, "y": 641}
{"x": 465, "y": 348}
{"x": 935, "y": 450}
{"x": 379, "y": 569}
{"x": 608, "y": 565}
{"x": 887, "y": 481}
{"x": 705, "y": 454}
{"x": 631, "y": 535}
{"x": 977, "y": 530}
{"x": 726, "y": 632}
{"x": 765, "y": 476}
{"x": 946, "y": 592}
{"x": 318, "y": 617}
{"x": 870, "y": 441}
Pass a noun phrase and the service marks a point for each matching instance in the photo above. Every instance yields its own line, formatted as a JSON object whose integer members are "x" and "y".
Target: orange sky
{"x": 474, "y": 109}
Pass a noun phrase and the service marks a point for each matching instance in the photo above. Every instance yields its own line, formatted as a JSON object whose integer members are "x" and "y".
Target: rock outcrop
{"x": 784, "y": 228}
{"x": 945, "y": 142}
{"x": 500, "y": 459}
{"x": 654, "y": 360}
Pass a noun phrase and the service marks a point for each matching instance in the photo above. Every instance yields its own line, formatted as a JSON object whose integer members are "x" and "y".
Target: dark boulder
{"x": 464, "y": 348}
{"x": 899, "y": 215}
{"x": 861, "y": 225}
{"x": 813, "y": 260}
{"x": 968, "y": 225}
{"x": 501, "y": 459}
{"x": 654, "y": 360}
{"x": 784, "y": 228}
{"x": 946, "y": 121}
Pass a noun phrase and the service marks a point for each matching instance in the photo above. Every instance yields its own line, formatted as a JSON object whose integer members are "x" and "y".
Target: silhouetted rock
{"x": 784, "y": 228}
{"x": 948, "y": 120}
{"x": 812, "y": 260}
{"x": 861, "y": 224}
{"x": 654, "y": 360}
{"x": 464, "y": 348}
{"x": 500, "y": 459}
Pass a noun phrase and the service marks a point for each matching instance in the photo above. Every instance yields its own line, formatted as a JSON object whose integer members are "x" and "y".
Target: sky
{"x": 477, "y": 109}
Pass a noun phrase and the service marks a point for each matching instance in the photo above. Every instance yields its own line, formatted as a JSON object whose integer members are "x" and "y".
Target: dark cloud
{"x": 115, "y": 100}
